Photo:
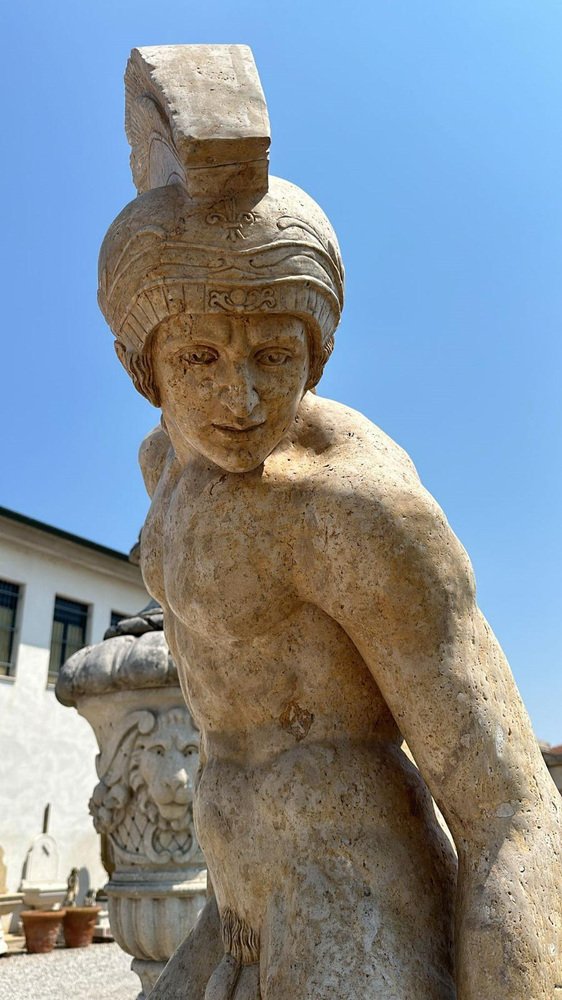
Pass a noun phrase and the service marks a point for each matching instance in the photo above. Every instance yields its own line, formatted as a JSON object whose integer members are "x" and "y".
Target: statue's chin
{"x": 241, "y": 466}
{"x": 238, "y": 458}
{"x": 234, "y": 451}
{"x": 234, "y": 460}
{"x": 173, "y": 810}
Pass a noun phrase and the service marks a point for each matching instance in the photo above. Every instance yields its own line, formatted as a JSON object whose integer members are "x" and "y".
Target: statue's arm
{"x": 153, "y": 455}
{"x": 390, "y": 570}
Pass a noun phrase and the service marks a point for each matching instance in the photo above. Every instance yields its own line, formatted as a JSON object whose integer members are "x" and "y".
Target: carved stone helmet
{"x": 210, "y": 231}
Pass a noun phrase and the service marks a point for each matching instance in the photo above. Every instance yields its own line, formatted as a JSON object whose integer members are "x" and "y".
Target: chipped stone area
{"x": 296, "y": 720}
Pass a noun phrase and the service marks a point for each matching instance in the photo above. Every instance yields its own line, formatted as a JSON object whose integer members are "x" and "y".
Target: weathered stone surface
{"x": 191, "y": 967}
{"x": 196, "y": 114}
{"x": 319, "y": 610}
{"x": 127, "y": 688}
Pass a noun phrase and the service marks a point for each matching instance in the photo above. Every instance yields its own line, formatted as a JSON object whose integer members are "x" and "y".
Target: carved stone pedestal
{"x": 147, "y": 909}
{"x": 127, "y": 689}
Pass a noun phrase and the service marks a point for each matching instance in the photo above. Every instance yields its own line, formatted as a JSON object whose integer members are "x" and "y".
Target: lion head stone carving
{"x": 144, "y": 798}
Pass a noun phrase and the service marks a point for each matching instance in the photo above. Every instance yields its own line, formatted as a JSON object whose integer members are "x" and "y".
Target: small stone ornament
{"x": 72, "y": 887}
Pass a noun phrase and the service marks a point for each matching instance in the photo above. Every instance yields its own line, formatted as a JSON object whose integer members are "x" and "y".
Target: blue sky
{"x": 431, "y": 133}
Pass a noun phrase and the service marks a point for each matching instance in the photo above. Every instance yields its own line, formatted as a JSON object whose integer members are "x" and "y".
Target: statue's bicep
{"x": 153, "y": 452}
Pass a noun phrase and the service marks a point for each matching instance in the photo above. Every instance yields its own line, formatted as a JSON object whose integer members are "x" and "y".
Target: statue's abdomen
{"x": 354, "y": 818}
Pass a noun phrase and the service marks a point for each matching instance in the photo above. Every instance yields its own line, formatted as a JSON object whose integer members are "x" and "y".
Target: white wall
{"x": 47, "y": 751}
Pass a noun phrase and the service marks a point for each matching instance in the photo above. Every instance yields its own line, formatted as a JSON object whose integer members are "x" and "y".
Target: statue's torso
{"x": 225, "y": 556}
{"x": 301, "y": 754}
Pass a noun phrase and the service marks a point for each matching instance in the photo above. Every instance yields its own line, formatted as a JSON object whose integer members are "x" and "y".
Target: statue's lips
{"x": 232, "y": 431}
{"x": 172, "y": 810}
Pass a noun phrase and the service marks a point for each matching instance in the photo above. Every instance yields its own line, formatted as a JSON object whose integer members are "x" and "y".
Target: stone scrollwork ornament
{"x": 234, "y": 223}
{"x": 239, "y": 300}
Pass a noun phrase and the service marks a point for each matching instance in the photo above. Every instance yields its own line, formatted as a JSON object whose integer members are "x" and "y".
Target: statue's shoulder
{"x": 365, "y": 483}
{"x": 347, "y": 448}
{"x": 154, "y": 455}
{"x": 367, "y": 508}
{"x": 365, "y": 503}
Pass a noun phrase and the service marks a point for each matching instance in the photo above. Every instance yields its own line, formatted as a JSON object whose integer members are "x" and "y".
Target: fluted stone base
{"x": 150, "y": 913}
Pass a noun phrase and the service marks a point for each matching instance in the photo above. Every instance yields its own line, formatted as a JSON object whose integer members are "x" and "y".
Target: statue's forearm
{"x": 508, "y": 933}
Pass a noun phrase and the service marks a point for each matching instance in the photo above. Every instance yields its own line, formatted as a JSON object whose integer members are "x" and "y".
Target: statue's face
{"x": 167, "y": 763}
{"x": 230, "y": 386}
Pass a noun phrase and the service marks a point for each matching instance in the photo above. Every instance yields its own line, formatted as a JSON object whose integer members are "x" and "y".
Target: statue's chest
{"x": 227, "y": 558}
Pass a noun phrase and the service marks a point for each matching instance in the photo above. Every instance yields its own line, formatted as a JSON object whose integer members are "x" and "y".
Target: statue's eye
{"x": 189, "y": 751}
{"x": 157, "y": 749}
{"x": 200, "y": 356}
{"x": 272, "y": 357}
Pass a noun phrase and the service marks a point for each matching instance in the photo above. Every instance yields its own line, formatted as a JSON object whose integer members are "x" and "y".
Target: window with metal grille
{"x": 9, "y": 597}
{"x": 70, "y": 621}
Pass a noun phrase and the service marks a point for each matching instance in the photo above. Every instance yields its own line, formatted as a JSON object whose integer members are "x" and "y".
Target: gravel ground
{"x": 100, "y": 972}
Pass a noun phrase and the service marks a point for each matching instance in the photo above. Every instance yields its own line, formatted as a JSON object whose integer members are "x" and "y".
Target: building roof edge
{"x": 31, "y": 522}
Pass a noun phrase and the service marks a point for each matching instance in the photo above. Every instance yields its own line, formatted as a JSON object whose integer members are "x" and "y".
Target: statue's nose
{"x": 177, "y": 780}
{"x": 239, "y": 393}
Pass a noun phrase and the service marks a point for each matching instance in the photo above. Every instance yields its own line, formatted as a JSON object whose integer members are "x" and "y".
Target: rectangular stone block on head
{"x": 196, "y": 115}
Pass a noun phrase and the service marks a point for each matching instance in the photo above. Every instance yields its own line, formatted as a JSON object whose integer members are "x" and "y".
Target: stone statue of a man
{"x": 317, "y": 604}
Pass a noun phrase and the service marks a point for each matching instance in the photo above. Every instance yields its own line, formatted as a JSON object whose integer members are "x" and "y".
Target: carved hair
{"x": 239, "y": 939}
{"x": 139, "y": 366}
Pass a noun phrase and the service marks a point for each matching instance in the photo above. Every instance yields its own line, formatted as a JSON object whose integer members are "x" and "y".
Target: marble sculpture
{"x": 317, "y": 604}
{"x": 142, "y": 806}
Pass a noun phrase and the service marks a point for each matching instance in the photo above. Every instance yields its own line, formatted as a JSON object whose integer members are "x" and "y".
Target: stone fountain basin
{"x": 44, "y": 895}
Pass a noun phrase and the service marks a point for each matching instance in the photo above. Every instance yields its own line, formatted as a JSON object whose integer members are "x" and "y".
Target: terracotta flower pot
{"x": 78, "y": 925}
{"x": 41, "y": 928}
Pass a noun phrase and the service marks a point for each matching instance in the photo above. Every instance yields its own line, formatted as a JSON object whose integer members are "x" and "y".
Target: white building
{"x": 58, "y": 592}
